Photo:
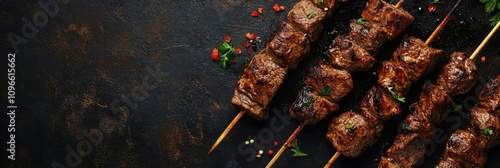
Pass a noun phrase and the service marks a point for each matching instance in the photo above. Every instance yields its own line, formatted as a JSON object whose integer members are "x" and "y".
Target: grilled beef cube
{"x": 406, "y": 150}
{"x": 459, "y": 75}
{"x": 481, "y": 122}
{"x": 463, "y": 147}
{"x": 258, "y": 84}
{"x": 329, "y": 82}
{"x": 311, "y": 107}
{"x": 447, "y": 162}
{"x": 345, "y": 54}
{"x": 352, "y": 134}
{"x": 416, "y": 58}
{"x": 368, "y": 35}
{"x": 415, "y": 122}
{"x": 290, "y": 44}
{"x": 392, "y": 76}
{"x": 489, "y": 96}
{"x": 434, "y": 103}
{"x": 380, "y": 104}
{"x": 307, "y": 17}
{"x": 393, "y": 20}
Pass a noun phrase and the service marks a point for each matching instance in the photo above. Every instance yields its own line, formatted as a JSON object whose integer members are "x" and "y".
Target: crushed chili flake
{"x": 249, "y": 52}
{"x": 258, "y": 156}
{"x": 276, "y": 8}
{"x": 250, "y": 36}
{"x": 432, "y": 7}
{"x": 238, "y": 51}
{"x": 233, "y": 61}
{"x": 255, "y": 13}
{"x": 227, "y": 39}
{"x": 260, "y": 10}
{"x": 275, "y": 143}
{"x": 270, "y": 152}
{"x": 247, "y": 44}
{"x": 483, "y": 59}
{"x": 282, "y": 8}
{"x": 262, "y": 143}
{"x": 215, "y": 54}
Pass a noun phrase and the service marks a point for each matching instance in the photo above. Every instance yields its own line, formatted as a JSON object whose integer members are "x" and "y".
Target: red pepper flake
{"x": 258, "y": 156}
{"x": 255, "y": 13}
{"x": 432, "y": 7}
{"x": 233, "y": 61}
{"x": 276, "y": 8}
{"x": 238, "y": 51}
{"x": 250, "y": 36}
{"x": 275, "y": 143}
{"x": 282, "y": 8}
{"x": 247, "y": 44}
{"x": 227, "y": 39}
{"x": 483, "y": 59}
{"x": 215, "y": 54}
{"x": 270, "y": 152}
{"x": 260, "y": 10}
{"x": 249, "y": 52}
{"x": 262, "y": 143}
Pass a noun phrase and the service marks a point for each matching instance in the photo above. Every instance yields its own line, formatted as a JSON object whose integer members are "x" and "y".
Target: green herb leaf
{"x": 401, "y": 99}
{"x": 295, "y": 149}
{"x": 305, "y": 101}
{"x": 490, "y": 5}
{"x": 487, "y": 133}
{"x": 435, "y": 2}
{"x": 495, "y": 19}
{"x": 349, "y": 126}
{"x": 228, "y": 53}
{"x": 457, "y": 108}
{"x": 361, "y": 21}
{"x": 325, "y": 91}
{"x": 310, "y": 15}
{"x": 320, "y": 1}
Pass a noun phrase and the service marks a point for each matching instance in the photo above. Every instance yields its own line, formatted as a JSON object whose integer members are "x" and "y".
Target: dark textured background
{"x": 88, "y": 64}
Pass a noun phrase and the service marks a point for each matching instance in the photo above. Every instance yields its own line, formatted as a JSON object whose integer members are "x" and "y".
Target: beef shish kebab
{"x": 266, "y": 71}
{"x": 352, "y": 133}
{"x": 331, "y": 80}
{"x": 468, "y": 147}
{"x": 457, "y": 77}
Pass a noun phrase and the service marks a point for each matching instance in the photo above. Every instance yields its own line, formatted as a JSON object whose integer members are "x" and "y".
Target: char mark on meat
{"x": 289, "y": 44}
{"x": 416, "y": 58}
{"x": 306, "y": 16}
{"x": 407, "y": 149}
{"x": 433, "y": 103}
{"x": 480, "y": 121}
{"x": 368, "y": 35}
{"x": 333, "y": 84}
{"x": 393, "y": 20}
{"x": 380, "y": 104}
{"x": 392, "y": 76}
{"x": 345, "y": 54}
{"x": 463, "y": 147}
{"x": 459, "y": 75}
{"x": 258, "y": 84}
{"x": 489, "y": 96}
{"x": 311, "y": 107}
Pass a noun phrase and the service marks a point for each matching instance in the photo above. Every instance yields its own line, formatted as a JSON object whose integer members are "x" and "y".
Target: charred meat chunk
{"x": 416, "y": 58}
{"x": 329, "y": 82}
{"x": 459, "y": 75}
{"x": 307, "y": 17}
{"x": 258, "y": 84}
{"x": 433, "y": 103}
{"x": 393, "y": 20}
{"x": 352, "y": 134}
{"x": 311, "y": 107}
{"x": 393, "y": 77}
{"x": 406, "y": 150}
{"x": 482, "y": 124}
{"x": 380, "y": 104}
{"x": 345, "y": 54}
{"x": 368, "y": 35}
{"x": 447, "y": 162}
{"x": 489, "y": 96}
{"x": 463, "y": 147}
{"x": 415, "y": 122}
{"x": 290, "y": 44}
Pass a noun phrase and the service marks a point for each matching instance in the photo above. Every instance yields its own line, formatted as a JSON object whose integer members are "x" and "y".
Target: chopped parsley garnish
{"x": 310, "y": 15}
{"x": 325, "y": 91}
{"x": 296, "y": 150}
{"x": 487, "y": 133}
{"x": 458, "y": 108}
{"x": 490, "y": 6}
{"x": 361, "y": 21}
{"x": 401, "y": 99}
{"x": 349, "y": 126}
{"x": 320, "y": 1}
{"x": 305, "y": 101}
{"x": 228, "y": 54}
{"x": 435, "y": 2}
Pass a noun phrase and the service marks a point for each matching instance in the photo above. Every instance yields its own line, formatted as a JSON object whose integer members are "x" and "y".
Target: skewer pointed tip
{"x": 229, "y": 127}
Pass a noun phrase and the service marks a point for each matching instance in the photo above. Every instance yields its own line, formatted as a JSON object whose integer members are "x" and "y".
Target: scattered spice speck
{"x": 238, "y": 51}
{"x": 247, "y": 44}
{"x": 258, "y": 155}
{"x": 260, "y": 10}
{"x": 276, "y": 8}
{"x": 270, "y": 152}
{"x": 483, "y": 59}
{"x": 247, "y": 142}
{"x": 227, "y": 39}
{"x": 431, "y": 8}
{"x": 215, "y": 54}
{"x": 255, "y": 13}
{"x": 261, "y": 152}
{"x": 275, "y": 143}
{"x": 252, "y": 141}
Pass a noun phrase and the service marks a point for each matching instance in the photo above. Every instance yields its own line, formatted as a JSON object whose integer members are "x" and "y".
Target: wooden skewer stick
{"x": 399, "y": 4}
{"x": 288, "y": 141}
{"x": 478, "y": 49}
{"x": 229, "y": 127}
{"x": 427, "y": 42}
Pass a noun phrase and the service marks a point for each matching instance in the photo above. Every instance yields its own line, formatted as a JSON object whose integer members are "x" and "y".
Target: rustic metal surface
{"x": 144, "y": 68}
